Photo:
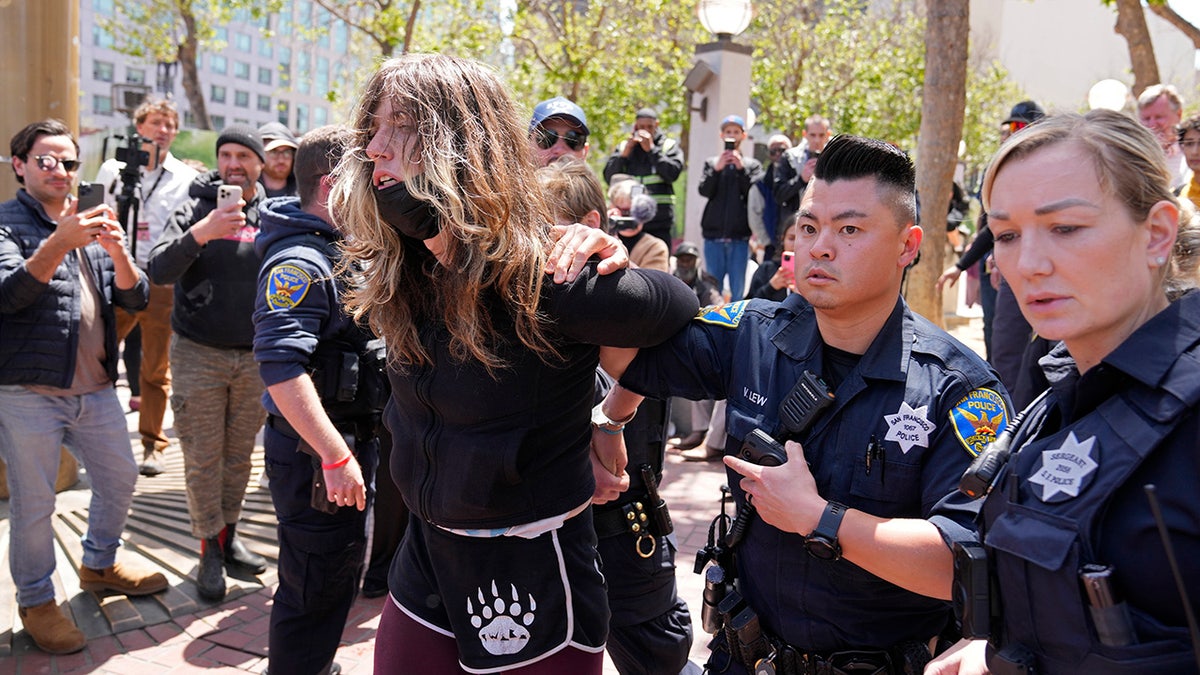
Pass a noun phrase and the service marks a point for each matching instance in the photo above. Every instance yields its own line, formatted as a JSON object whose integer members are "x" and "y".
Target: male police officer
{"x": 910, "y": 407}
{"x": 326, "y": 418}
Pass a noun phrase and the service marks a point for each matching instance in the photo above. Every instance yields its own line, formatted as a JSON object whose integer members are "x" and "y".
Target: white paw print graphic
{"x": 505, "y": 630}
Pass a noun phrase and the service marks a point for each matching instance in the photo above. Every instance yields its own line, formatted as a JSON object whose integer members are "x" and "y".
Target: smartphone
{"x": 228, "y": 194}
{"x": 90, "y": 196}
{"x": 730, "y": 144}
{"x": 788, "y": 261}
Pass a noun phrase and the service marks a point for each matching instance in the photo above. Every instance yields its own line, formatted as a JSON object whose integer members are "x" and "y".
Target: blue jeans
{"x": 32, "y": 429}
{"x": 728, "y": 257}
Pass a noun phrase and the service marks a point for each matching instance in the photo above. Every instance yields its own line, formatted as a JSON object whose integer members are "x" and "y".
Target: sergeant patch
{"x": 978, "y": 419}
{"x": 726, "y": 316}
{"x": 1066, "y": 470}
{"x": 286, "y": 286}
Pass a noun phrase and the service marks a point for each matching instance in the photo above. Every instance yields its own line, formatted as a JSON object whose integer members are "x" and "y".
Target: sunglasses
{"x": 1014, "y": 127}
{"x": 50, "y": 162}
{"x": 575, "y": 140}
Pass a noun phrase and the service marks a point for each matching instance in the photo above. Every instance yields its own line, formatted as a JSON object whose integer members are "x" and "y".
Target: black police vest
{"x": 1037, "y": 548}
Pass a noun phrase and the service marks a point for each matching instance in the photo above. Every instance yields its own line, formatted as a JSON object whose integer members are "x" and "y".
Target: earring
{"x": 1160, "y": 261}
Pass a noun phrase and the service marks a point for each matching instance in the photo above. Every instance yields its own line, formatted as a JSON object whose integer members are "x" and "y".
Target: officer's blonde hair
{"x": 1129, "y": 165}
{"x": 477, "y": 171}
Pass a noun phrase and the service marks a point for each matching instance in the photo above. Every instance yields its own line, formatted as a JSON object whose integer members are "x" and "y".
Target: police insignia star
{"x": 286, "y": 286}
{"x": 978, "y": 419}
{"x": 727, "y": 316}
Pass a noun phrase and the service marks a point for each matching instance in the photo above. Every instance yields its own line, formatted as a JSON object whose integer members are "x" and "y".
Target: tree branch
{"x": 1172, "y": 17}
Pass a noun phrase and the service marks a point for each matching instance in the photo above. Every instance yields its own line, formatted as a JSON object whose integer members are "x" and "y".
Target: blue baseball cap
{"x": 734, "y": 119}
{"x": 558, "y": 107}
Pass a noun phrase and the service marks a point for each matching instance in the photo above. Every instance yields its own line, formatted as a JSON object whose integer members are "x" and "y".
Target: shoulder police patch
{"x": 978, "y": 419}
{"x": 286, "y": 286}
{"x": 727, "y": 316}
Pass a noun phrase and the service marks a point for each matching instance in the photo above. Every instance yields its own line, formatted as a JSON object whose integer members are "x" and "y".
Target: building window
{"x": 218, "y": 64}
{"x": 285, "y": 66}
{"x": 102, "y": 71}
{"x": 218, "y": 94}
{"x": 239, "y": 120}
{"x": 218, "y": 121}
{"x": 241, "y": 70}
{"x": 242, "y": 42}
{"x": 323, "y": 19}
{"x": 283, "y": 113}
{"x": 102, "y": 105}
{"x": 103, "y": 7}
{"x": 264, "y": 48}
{"x": 101, "y": 38}
{"x": 301, "y": 118}
{"x": 320, "y": 116}
{"x": 341, "y": 36}
{"x": 264, "y": 103}
{"x": 222, "y": 34}
{"x": 264, "y": 75}
{"x": 135, "y": 75}
{"x": 322, "y": 85}
{"x": 304, "y": 72}
{"x": 241, "y": 99}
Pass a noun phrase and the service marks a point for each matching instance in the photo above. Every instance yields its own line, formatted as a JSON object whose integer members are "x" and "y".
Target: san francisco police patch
{"x": 286, "y": 286}
{"x": 979, "y": 418}
{"x": 727, "y": 316}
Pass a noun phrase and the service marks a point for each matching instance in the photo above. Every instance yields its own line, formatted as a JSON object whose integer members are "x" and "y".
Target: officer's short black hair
{"x": 847, "y": 157}
{"x": 319, "y": 152}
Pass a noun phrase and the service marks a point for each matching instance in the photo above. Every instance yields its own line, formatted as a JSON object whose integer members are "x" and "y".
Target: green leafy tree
{"x": 175, "y": 31}
{"x": 609, "y": 56}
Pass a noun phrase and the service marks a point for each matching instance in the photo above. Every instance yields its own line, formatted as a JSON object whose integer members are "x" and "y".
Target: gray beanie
{"x": 242, "y": 134}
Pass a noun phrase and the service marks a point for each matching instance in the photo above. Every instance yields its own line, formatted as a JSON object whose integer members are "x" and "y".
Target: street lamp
{"x": 718, "y": 85}
{"x": 724, "y": 18}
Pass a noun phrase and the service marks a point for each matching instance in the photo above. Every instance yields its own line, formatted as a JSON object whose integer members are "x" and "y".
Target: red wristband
{"x": 337, "y": 465}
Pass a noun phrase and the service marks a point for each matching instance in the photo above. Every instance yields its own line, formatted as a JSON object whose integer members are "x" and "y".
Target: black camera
{"x": 619, "y": 223}
{"x": 759, "y": 448}
{"x": 730, "y": 144}
{"x": 972, "y": 606}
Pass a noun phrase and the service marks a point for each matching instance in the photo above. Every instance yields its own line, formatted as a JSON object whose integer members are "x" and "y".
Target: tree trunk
{"x": 1131, "y": 25}
{"x": 943, "y": 102}
{"x": 1171, "y": 16}
{"x": 187, "y": 55}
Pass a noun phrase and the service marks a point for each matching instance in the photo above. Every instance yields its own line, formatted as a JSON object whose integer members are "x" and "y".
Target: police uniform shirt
{"x": 918, "y": 404}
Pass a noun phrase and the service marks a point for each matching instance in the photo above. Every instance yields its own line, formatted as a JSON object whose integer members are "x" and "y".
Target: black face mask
{"x": 410, "y": 216}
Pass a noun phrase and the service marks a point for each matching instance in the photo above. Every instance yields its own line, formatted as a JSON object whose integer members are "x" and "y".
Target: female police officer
{"x": 1099, "y": 256}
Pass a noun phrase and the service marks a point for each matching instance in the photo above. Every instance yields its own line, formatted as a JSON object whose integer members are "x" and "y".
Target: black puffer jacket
{"x": 39, "y": 323}
{"x": 215, "y": 284}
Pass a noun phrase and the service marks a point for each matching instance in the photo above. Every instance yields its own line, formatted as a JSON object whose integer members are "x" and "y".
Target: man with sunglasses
{"x": 653, "y": 160}
{"x": 558, "y": 129}
{"x": 764, "y": 209}
{"x": 62, "y": 274}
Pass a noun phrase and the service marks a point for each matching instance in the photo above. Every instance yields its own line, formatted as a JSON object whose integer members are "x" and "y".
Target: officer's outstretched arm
{"x": 298, "y": 401}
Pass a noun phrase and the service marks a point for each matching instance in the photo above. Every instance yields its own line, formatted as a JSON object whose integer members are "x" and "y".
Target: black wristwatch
{"x": 822, "y": 543}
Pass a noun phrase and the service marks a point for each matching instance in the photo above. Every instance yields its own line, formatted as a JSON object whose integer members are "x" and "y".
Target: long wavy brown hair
{"x": 477, "y": 171}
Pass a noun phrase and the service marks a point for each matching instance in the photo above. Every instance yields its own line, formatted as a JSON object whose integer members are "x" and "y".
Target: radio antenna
{"x": 1152, "y": 495}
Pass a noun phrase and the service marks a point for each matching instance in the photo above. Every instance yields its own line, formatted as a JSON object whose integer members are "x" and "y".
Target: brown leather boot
{"x": 51, "y": 630}
{"x": 121, "y": 579}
